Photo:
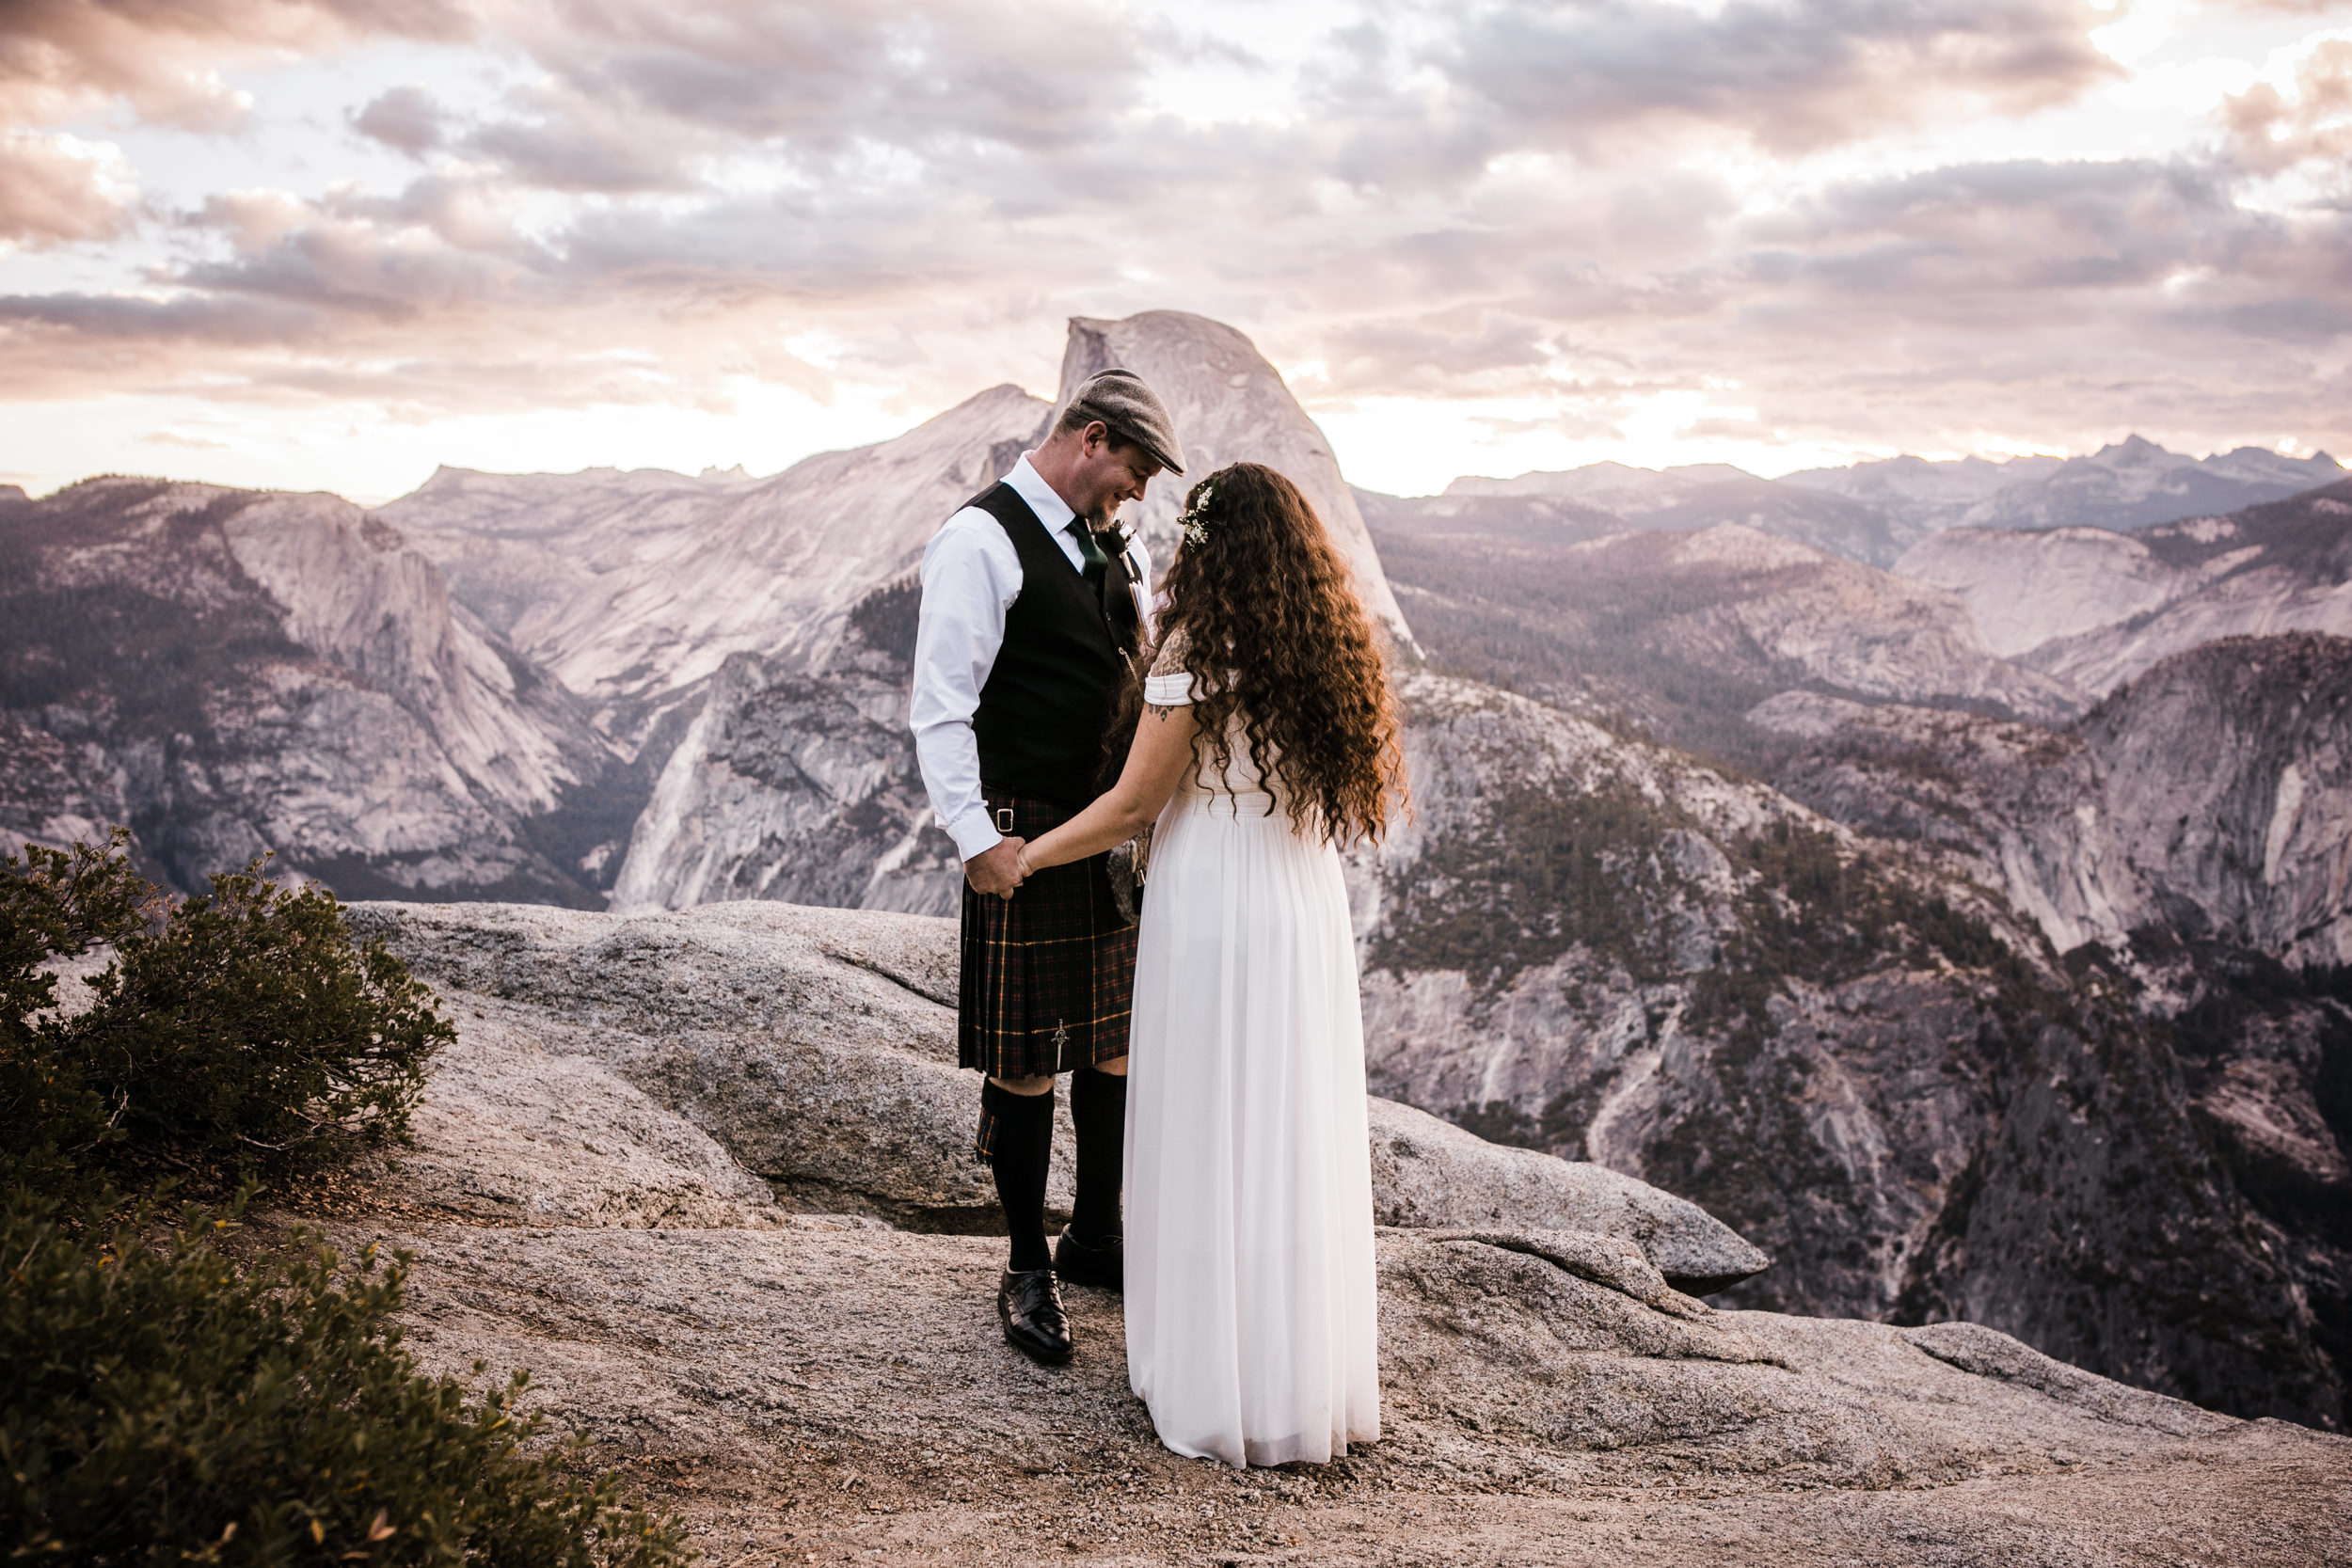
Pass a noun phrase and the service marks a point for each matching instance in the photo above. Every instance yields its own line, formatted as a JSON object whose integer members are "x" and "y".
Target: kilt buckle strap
{"x": 1004, "y": 820}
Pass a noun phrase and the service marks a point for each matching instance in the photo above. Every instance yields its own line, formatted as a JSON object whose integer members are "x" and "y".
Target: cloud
{"x": 2270, "y": 130}
{"x": 404, "y": 118}
{"x": 55, "y": 189}
{"x": 62, "y": 58}
{"x": 1584, "y": 76}
{"x": 1575, "y": 207}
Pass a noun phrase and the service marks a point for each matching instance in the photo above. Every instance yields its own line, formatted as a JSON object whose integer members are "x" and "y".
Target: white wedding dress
{"x": 1250, "y": 1303}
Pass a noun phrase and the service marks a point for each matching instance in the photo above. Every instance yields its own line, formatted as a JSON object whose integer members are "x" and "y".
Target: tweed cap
{"x": 1121, "y": 401}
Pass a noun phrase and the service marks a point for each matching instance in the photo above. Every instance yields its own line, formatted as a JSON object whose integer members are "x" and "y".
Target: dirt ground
{"x": 838, "y": 1394}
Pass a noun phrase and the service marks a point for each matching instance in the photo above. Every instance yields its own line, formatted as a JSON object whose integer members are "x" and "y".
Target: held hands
{"x": 997, "y": 870}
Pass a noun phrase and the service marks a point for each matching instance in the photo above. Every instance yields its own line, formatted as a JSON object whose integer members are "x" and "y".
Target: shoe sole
{"x": 1042, "y": 1357}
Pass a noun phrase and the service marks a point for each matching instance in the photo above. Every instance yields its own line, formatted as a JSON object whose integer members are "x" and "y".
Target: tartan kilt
{"x": 1048, "y": 975}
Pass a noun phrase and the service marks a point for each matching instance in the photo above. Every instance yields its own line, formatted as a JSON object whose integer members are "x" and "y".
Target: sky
{"x": 333, "y": 244}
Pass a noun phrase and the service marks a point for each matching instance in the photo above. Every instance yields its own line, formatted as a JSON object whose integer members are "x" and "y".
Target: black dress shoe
{"x": 1103, "y": 1263}
{"x": 1028, "y": 1302}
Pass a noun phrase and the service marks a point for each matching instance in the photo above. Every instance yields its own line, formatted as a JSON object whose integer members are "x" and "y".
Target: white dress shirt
{"x": 971, "y": 576}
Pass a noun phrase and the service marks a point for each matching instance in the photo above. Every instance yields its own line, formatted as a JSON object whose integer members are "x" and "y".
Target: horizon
{"x": 371, "y": 501}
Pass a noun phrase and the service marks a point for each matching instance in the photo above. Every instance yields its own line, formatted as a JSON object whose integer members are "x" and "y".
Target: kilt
{"x": 1046, "y": 975}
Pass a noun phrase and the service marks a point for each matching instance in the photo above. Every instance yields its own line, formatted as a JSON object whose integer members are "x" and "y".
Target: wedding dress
{"x": 1250, "y": 1302}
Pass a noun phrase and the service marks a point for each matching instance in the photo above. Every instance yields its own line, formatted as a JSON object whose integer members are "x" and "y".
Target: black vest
{"x": 1054, "y": 690}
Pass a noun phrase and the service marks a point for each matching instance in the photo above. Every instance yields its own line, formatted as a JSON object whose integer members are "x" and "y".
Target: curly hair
{"x": 1262, "y": 614}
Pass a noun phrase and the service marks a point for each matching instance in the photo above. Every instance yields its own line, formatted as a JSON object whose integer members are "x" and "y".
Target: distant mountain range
{"x": 1958, "y": 910}
{"x": 1873, "y": 512}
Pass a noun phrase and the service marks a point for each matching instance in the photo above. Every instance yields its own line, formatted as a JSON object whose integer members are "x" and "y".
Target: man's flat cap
{"x": 1121, "y": 401}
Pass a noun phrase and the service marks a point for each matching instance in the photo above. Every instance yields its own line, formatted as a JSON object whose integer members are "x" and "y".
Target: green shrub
{"x": 164, "y": 1405}
{"x": 240, "y": 1032}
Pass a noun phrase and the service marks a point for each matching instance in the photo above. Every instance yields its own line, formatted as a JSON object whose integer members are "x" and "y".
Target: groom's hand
{"x": 997, "y": 869}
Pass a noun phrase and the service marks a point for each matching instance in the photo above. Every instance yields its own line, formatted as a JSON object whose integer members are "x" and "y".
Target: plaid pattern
{"x": 1047, "y": 975}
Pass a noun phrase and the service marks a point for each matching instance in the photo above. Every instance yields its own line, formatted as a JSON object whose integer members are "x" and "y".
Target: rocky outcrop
{"x": 817, "y": 1047}
{"x": 803, "y": 1383}
{"x": 2096, "y": 608}
{"x": 800, "y": 786}
{"x": 2193, "y": 838}
{"x": 230, "y": 671}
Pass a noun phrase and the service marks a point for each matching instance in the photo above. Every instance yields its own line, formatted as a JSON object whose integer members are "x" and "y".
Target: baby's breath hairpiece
{"x": 1195, "y": 521}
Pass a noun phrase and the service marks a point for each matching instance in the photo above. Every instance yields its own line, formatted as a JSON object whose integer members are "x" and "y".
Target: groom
{"x": 1026, "y": 628}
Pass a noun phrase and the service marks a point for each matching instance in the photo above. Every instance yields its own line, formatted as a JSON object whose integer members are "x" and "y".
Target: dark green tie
{"x": 1097, "y": 565}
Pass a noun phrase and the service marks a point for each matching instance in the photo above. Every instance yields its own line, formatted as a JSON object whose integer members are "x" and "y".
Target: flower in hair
{"x": 1195, "y": 521}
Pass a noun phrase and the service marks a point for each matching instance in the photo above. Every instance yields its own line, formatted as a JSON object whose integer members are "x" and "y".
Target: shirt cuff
{"x": 975, "y": 832}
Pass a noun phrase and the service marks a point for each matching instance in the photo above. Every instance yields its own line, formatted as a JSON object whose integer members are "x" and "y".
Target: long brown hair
{"x": 1262, "y": 614}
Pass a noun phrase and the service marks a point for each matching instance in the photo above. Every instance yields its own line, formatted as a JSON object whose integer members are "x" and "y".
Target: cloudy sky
{"x": 333, "y": 243}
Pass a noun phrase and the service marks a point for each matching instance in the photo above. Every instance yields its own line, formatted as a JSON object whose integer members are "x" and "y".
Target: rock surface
{"x": 804, "y": 1386}
{"x": 799, "y": 786}
{"x": 817, "y": 1047}
{"x": 2241, "y": 835}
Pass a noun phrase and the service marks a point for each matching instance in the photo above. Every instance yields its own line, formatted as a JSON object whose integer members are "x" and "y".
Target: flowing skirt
{"x": 1250, "y": 1301}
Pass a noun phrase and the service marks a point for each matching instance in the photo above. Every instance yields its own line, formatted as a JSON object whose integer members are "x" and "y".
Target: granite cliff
{"x": 632, "y": 589}
{"x": 228, "y": 671}
{"x": 1860, "y": 1057}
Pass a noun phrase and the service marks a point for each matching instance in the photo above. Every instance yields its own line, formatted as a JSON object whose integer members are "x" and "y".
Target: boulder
{"x": 1431, "y": 1173}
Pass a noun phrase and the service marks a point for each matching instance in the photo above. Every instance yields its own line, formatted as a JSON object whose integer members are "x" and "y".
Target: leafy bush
{"x": 162, "y": 1405}
{"x": 240, "y": 1030}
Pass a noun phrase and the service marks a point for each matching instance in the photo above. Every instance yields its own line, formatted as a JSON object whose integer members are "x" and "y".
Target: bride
{"x": 1267, "y": 717}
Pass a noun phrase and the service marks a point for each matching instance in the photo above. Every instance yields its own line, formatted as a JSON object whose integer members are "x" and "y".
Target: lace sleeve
{"x": 1170, "y": 660}
{"x": 1168, "y": 685}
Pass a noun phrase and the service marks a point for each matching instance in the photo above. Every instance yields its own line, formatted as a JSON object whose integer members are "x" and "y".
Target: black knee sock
{"x": 1098, "y": 1110}
{"x": 1021, "y": 1148}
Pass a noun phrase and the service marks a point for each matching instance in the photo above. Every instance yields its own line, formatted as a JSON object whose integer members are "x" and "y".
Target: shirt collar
{"x": 1051, "y": 509}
